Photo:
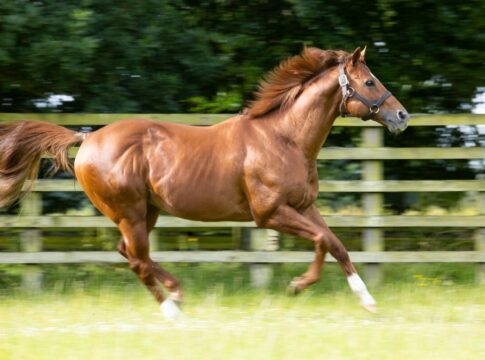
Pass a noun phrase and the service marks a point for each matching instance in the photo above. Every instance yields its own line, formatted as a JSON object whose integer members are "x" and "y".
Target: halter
{"x": 349, "y": 92}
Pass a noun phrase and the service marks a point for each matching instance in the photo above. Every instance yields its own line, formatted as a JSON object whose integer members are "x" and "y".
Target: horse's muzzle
{"x": 397, "y": 122}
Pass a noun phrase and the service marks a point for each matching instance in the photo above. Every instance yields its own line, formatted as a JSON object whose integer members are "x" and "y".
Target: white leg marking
{"x": 170, "y": 310}
{"x": 359, "y": 288}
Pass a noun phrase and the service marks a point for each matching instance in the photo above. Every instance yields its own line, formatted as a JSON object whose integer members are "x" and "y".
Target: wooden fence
{"x": 372, "y": 186}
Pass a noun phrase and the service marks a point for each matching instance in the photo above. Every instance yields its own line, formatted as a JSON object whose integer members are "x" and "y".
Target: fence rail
{"x": 347, "y": 221}
{"x": 260, "y": 257}
{"x": 326, "y": 185}
{"x": 372, "y": 186}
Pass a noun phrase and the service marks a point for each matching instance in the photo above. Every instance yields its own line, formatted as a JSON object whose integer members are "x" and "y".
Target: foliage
{"x": 119, "y": 56}
{"x": 172, "y": 55}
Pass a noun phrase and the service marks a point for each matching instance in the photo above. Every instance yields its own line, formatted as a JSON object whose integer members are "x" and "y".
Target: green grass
{"x": 427, "y": 317}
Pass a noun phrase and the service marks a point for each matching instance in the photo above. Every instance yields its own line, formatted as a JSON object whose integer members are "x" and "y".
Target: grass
{"x": 419, "y": 319}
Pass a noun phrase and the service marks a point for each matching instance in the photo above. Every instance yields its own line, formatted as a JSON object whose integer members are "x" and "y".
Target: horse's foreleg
{"x": 311, "y": 226}
{"x": 312, "y": 275}
{"x": 339, "y": 252}
{"x": 357, "y": 285}
{"x": 288, "y": 220}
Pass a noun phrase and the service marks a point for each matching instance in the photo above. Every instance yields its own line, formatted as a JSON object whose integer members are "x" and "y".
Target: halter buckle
{"x": 374, "y": 109}
{"x": 342, "y": 80}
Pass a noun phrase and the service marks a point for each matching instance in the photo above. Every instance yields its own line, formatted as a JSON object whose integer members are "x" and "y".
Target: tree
{"x": 186, "y": 55}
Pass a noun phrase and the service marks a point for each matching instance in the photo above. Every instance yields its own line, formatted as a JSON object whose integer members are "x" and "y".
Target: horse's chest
{"x": 302, "y": 194}
{"x": 289, "y": 181}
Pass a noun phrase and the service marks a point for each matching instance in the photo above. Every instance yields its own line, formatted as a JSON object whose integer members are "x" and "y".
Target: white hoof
{"x": 170, "y": 310}
{"x": 359, "y": 288}
{"x": 372, "y": 308}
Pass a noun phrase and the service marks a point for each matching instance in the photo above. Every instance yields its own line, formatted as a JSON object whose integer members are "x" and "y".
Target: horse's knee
{"x": 333, "y": 245}
{"x": 322, "y": 241}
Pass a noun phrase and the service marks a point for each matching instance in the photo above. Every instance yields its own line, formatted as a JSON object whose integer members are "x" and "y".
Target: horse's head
{"x": 364, "y": 96}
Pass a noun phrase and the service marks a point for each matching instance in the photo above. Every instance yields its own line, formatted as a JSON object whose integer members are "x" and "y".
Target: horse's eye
{"x": 369, "y": 83}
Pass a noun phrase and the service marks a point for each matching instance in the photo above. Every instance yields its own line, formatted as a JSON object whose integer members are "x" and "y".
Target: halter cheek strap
{"x": 349, "y": 92}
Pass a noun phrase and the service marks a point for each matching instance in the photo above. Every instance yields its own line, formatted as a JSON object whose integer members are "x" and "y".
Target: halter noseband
{"x": 349, "y": 92}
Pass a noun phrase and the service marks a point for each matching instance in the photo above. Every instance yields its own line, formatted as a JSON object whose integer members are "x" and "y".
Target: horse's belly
{"x": 202, "y": 203}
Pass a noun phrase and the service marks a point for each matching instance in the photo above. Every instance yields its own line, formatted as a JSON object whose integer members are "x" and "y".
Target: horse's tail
{"x": 21, "y": 147}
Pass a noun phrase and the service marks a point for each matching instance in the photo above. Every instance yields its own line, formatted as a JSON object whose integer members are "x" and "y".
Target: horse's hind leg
{"x": 169, "y": 281}
{"x": 136, "y": 249}
{"x": 164, "y": 277}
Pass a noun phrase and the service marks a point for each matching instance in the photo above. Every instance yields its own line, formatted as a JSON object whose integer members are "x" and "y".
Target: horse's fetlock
{"x": 171, "y": 284}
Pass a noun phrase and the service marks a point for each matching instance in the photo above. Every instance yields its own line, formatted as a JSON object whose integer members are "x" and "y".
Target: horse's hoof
{"x": 294, "y": 288}
{"x": 170, "y": 310}
{"x": 372, "y": 308}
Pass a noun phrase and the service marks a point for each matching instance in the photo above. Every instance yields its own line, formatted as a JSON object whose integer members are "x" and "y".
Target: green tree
{"x": 183, "y": 55}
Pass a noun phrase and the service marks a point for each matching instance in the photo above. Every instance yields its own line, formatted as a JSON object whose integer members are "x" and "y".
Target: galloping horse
{"x": 259, "y": 165}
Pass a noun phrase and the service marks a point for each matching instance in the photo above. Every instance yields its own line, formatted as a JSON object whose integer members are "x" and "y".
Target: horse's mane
{"x": 281, "y": 86}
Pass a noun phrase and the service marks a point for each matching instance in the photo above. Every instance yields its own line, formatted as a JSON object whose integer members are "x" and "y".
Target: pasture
{"x": 426, "y": 312}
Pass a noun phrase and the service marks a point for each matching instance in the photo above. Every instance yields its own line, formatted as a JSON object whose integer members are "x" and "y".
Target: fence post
{"x": 372, "y": 239}
{"x": 153, "y": 239}
{"x": 260, "y": 240}
{"x": 31, "y": 241}
{"x": 479, "y": 236}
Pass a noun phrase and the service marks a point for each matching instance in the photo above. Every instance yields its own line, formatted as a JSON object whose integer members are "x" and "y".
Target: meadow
{"x": 425, "y": 312}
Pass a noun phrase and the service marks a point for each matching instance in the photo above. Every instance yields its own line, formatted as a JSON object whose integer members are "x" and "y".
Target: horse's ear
{"x": 362, "y": 54}
{"x": 356, "y": 56}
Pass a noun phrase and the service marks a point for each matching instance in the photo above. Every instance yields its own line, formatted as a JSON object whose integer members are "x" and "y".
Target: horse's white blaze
{"x": 358, "y": 287}
{"x": 170, "y": 310}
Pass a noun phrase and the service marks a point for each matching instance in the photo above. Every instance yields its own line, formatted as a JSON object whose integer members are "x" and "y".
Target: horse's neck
{"x": 309, "y": 121}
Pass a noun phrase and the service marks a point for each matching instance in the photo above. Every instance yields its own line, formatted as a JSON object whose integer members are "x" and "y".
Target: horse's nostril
{"x": 402, "y": 115}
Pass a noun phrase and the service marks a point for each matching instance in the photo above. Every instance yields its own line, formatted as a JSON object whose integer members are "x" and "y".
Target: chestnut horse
{"x": 259, "y": 165}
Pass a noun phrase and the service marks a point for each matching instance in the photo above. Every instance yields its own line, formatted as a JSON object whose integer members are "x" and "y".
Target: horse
{"x": 259, "y": 165}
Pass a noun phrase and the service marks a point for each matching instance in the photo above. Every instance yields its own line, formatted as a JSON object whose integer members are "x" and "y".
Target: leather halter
{"x": 349, "y": 92}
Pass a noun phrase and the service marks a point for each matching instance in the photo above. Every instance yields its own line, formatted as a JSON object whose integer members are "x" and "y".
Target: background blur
{"x": 158, "y": 56}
